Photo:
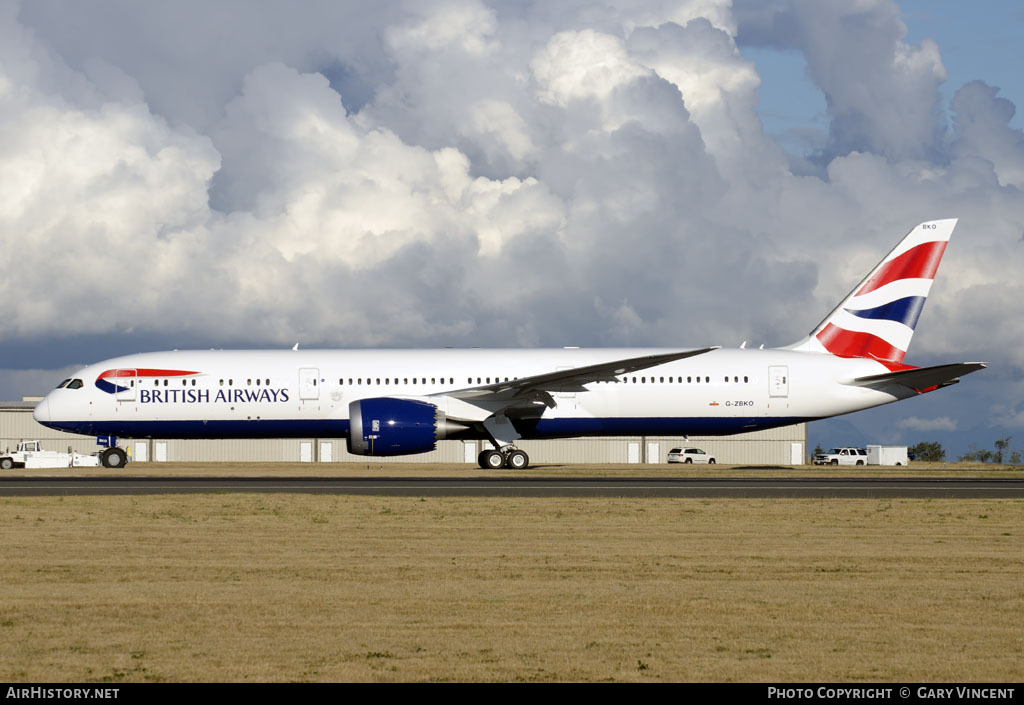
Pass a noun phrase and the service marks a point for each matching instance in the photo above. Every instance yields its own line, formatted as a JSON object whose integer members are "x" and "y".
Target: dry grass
{"x": 297, "y": 587}
{"x": 372, "y": 468}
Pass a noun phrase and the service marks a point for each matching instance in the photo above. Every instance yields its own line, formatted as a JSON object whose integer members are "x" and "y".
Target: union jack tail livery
{"x": 877, "y": 319}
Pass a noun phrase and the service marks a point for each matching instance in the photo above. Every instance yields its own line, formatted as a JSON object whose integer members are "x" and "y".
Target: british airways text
{"x": 203, "y": 396}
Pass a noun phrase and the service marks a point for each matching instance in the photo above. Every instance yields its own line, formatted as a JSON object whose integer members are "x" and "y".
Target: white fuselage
{"x": 306, "y": 393}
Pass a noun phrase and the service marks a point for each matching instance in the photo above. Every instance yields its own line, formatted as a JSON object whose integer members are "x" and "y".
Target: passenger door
{"x": 309, "y": 383}
{"x": 126, "y": 383}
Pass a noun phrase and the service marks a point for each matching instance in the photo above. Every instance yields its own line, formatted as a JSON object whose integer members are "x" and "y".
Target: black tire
{"x": 688, "y": 461}
{"x": 480, "y": 459}
{"x": 860, "y": 462}
{"x": 517, "y": 460}
{"x": 493, "y": 460}
{"x": 711, "y": 461}
{"x": 113, "y": 458}
{"x": 6, "y": 463}
{"x": 835, "y": 462}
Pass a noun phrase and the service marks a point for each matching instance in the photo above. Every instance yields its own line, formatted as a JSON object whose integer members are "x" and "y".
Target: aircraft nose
{"x": 42, "y": 411}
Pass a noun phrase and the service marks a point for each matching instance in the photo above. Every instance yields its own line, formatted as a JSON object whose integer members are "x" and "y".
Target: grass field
{"x": 295, "y": 587}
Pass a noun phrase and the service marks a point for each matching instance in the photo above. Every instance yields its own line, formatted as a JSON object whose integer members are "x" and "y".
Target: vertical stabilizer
{"x": 877, "y": 319}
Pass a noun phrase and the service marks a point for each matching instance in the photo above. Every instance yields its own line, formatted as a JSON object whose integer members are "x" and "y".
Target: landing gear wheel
{"x": 517, "y": 460}
{"x": 492, "y": 460}
{"x": 113, "y": 458}
{"x": 480, "y": 459}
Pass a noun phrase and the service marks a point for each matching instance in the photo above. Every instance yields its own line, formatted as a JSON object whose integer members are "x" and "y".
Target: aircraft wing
{"x": 921, "y": 379}
{"x": 540, "y": 387}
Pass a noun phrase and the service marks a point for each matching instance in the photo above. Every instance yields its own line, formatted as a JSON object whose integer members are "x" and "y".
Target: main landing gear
{"x": 511, "y": 458}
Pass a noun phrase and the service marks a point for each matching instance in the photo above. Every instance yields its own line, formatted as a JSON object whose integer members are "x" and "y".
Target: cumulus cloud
{"x": 881, "y": 92}
{"x": 982, "y": 131}
{"x": 484, "y": 173}
{"x": 942, "y": 423}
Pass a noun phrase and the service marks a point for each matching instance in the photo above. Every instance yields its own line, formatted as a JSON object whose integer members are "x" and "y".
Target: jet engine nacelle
{"x": 389, "y": 426}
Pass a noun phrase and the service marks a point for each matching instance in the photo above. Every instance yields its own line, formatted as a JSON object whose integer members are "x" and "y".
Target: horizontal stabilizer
{"x": 921, "y": 379}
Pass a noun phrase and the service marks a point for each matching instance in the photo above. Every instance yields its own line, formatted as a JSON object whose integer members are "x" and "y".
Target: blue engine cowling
{"x": 388, "y": 426}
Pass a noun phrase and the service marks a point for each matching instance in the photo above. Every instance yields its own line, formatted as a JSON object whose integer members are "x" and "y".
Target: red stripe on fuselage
{"x": 145, "y": 372}
{"x": 846, "y": 343}
{"x": 919, "y": 262}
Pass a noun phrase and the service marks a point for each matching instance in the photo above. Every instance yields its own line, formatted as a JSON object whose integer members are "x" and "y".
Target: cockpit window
{"x": 63, "y": 384}
{"x": 75, "y": 384}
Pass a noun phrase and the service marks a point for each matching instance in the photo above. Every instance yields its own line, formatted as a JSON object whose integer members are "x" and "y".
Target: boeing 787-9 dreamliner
{"x": 399, "y": 402}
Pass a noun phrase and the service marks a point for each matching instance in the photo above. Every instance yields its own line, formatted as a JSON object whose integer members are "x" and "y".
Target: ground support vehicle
{"x": 30, "y": 454}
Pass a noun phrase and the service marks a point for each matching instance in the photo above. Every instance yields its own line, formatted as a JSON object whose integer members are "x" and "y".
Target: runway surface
{"x": 525, "y": 487}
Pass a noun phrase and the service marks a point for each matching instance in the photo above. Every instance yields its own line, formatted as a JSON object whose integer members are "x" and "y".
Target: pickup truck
{"x": 842, "y": 456}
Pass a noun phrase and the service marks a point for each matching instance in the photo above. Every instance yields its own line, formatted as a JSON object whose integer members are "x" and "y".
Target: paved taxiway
{"x": 525, "y": 487}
